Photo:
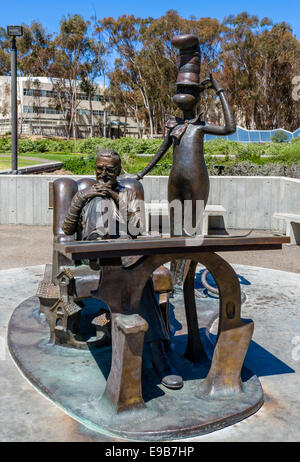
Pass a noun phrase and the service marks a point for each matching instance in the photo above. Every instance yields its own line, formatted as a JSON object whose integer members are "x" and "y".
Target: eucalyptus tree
{"x": 258, "y": 63}
{"x": 254, "y": 59}
{"x": 4, "y": 52}
{"x": 146, "y": 65}
{"x": 280, "y": 63}
{"x": 72, "y": 49}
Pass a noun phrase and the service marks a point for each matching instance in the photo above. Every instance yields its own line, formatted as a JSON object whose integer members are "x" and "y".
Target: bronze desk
{"x": 121, "y": 288}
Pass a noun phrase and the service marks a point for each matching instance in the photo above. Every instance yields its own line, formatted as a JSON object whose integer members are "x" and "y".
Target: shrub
{"x": 79, "y": 166}
{"x": 62, "y": 145}
{"x": 39, "y": 145}
{"x": 5, "y": 144}
{"x": 130, "y": 146}
{"x": 218, "y": 146}
{"x": 287, "y": 154}
{"x": 246, "y": 168}
{"x": 46, "y": 145}
{"x": 296, "y": 140}
{"x": 28, "y": 145}
{"x": 280, "y": 137}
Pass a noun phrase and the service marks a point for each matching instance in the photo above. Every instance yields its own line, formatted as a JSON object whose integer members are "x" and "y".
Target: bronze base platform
{"x": 75, "y": 380}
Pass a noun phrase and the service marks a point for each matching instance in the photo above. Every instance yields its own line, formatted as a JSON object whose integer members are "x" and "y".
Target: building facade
{"x": 40, "y": 111}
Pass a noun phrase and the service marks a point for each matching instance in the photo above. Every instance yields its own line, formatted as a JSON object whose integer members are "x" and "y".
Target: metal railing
{"x": 255, "y": 136}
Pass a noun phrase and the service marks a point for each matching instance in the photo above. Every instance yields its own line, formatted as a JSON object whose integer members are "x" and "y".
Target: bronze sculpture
{"x": 188, "y": 180}
{"x": 212, "y": 397}
{"x": 101, "y": 211}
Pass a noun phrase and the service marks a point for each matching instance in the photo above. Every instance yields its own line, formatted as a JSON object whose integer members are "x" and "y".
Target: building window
{"x": 38, "y": 93}
{"x": 98, "y": 113}
{"x": 51, "y": 94}
{"x": 28, "y": 110}
{"x": 87, "y": 112}
{"x": 83, "y": 112}
{"x": 40, "y": 110}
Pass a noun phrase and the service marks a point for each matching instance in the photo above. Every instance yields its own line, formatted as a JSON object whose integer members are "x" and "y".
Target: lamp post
{"x": 14, "y": 31}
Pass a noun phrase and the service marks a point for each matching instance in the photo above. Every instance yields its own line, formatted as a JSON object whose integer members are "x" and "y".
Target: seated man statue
{"x": 108, "y": 210}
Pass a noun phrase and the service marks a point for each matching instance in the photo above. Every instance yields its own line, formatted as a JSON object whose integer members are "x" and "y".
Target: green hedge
{"x": 246, "y": 168}
{"x": 128, "y": 148}
{"x": 133, "y": 146}
{"x": 40, "y": 145}
{"x": 123, "y": 146}
{"x": 242, "y": 150}
{"x": 5, "y": 144}
{"x": 247, "y": 156}
{"x": 283, "y": 159}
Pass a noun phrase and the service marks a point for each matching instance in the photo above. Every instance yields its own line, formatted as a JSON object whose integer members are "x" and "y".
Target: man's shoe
{"x": 172, "y": 381}
{"x": 168, "y": 375}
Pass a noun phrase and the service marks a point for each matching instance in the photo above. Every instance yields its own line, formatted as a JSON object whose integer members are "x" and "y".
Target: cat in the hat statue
{"x": 188, "y": 180}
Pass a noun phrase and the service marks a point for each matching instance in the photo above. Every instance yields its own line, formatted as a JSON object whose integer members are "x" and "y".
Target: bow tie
{"x": 179, "y": 125}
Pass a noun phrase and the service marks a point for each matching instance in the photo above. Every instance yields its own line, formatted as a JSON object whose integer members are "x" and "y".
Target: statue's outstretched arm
{"x": 230, "y": 125}
{"x": 161, "y": 151}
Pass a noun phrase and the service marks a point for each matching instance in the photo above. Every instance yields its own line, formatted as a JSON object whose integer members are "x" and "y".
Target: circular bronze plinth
{"x": 75, "y": 381}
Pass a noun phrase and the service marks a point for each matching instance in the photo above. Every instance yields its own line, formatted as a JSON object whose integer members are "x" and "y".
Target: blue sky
{"x": 50, "y": 12}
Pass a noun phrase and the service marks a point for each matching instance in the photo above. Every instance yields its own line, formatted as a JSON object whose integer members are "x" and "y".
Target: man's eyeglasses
{"x": 108, "y": 170}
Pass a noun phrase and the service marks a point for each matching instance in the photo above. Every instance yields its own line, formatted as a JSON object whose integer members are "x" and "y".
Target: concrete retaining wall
{"x": 250, "y": 201}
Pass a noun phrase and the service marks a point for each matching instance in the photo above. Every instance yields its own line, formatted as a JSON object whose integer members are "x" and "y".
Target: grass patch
{"x": 5, "y": 164}
{"x": 55, "y": 156}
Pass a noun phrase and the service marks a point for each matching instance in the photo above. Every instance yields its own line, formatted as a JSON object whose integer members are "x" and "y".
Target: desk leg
{"x": 123, "y": 388}
{"x": 234, "y": 334}
{"x": 224, "y": 377}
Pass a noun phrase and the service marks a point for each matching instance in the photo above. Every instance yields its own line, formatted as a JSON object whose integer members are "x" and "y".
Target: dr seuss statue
{"x": 109, "y": 210}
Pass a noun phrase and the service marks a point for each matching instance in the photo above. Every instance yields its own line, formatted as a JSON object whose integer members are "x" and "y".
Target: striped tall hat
{"x": 190, "y": 59}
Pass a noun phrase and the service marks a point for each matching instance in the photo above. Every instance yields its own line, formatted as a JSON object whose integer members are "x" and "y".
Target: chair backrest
{"x": 65, "y": 188}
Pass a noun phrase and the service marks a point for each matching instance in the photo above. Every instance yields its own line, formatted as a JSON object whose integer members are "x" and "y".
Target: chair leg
{"x": 164, "y": 306}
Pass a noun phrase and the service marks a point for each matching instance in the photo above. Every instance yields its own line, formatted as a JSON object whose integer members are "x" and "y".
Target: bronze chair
{"x": 66, "y": 283}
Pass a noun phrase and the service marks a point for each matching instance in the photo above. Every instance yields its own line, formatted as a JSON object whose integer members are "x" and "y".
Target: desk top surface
{"x": 152, "y": 246}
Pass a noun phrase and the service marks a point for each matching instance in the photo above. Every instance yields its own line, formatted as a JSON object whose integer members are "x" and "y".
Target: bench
{"x": 215, "y": 217}
{"x": 292, "y": 225}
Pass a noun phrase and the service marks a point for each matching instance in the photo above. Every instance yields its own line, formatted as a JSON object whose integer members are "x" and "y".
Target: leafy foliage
{"x": 5, "y": 144}
{"x": 246, "y": 168}
{"x": 39, "y": 145}
{"x": 237, "y": 157}
{"x": 128, "y": 148}
{"x": 280, "y": 137}
{"x": 254, "y": 59}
